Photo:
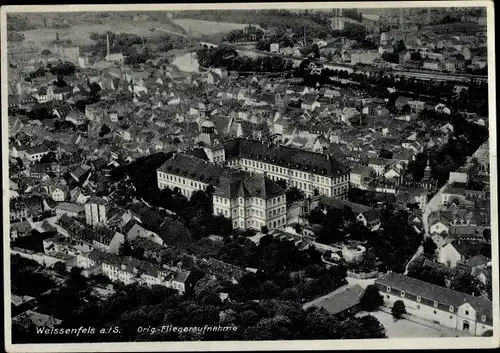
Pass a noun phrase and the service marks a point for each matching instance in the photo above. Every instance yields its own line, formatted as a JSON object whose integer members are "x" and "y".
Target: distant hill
{"x": 40, "y": 29}
{"x": 50, "y": 20}
{"x": 263, "y": 18}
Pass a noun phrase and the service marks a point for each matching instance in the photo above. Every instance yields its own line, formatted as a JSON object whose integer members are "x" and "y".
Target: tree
{"x": 406, "y": 109}
{"x": 466, "y": 283}
{"x": 416, "y": 56}
{"x": 104, "y": 130}
{"x": 48, "y": 158}
{"x": 398, "y": 309}
{"x": 399, "y": 47}
{"x": 264, "y": 229}
{"x": 60, "y": 268}
{"x": 366, "y": 326}
{"x": 385, "y": 154}
{"x": 15, "y": 37}
{"x": 316, "y": 216}
{"x": 371, "y": 298}
{"x": 429, "y": 247}
{"x": 125, "y": 249}
{"x": 294, "y": 194}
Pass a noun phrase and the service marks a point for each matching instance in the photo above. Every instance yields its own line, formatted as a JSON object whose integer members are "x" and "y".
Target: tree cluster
{"x": 467, "y": 138}
{"x": 353, "y": 14}
{"x": 26, "y": 279}
{"x": 19, "y": 23}
{"x": 396, "y": 241}
{"x": 250, "y": 33}
{"x": 284, "y": 271}
{"x": 227, "y": 57}
{"x": 134, "y": 306}
{"x": 353, "y": 31}
{"x": 13, "y": 36}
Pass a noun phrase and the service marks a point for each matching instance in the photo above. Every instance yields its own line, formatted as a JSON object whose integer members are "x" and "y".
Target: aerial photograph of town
{"x": 248, "y": 175}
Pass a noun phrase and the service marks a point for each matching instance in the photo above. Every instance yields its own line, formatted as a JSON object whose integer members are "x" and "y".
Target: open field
{"x": 199, "y": 27}
{"x": 79, "y": 34}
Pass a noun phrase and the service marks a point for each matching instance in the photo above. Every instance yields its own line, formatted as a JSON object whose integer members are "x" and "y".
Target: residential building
{"x": 70, "y": 209}
{"x": 129, "y": 270}
{"x": 370, "y": 218}
{"x": 96, "y": 210}
{"x": 36, "y": 153}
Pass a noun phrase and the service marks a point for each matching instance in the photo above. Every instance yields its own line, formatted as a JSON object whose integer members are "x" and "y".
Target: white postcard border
{"x": 369, "y": 344}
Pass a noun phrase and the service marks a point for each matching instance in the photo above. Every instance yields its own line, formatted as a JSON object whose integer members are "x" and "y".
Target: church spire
{"x": 427, "y": 170}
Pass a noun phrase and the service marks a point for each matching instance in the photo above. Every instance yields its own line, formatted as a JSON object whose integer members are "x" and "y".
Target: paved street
{"x": 402, "y": 328}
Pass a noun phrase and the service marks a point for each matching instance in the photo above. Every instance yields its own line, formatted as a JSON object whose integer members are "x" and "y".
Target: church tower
{"x": 427, "y": 170}
{"x": 207, "y": 107}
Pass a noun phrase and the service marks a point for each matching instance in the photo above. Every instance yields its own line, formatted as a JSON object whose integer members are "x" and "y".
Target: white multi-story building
{"x": 309, "y": 171}
{"x": 437, "y": 304}
{"x": 129, "y": 270}
{"x": 46, "y": 94}
{"x": 188, "y": 174}
{"x": 35, "y": 154}
{"x": 249, "y": 200}
{"x": 95, "y": 211}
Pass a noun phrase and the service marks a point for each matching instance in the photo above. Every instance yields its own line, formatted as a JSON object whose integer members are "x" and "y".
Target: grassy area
{"x": 79, "y": 34}
{"x": 42, "y": 33}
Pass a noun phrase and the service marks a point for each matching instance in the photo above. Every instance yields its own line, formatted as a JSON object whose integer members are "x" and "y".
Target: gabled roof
{"x": 343, "y": 300}
{"x": 340, "y": 204}
{"x": 371, "y": 215}
{"x": 284, "y": 156}
{"x": 187, "y": 166}
{"x": 248, "y": 185}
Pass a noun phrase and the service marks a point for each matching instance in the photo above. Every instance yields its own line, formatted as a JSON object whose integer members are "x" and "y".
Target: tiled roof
{"x": 284, "y": 156}
{"x": 70, "y": 207}
{"x": 248, "y": 185}
{"x": 442, "y": 295}
{"x": 340, "y": 204}
{"x": 477, "y": 260}
{"x": 343, "y": 300}
{"x": 38, "y": 149}
{"x": 194, "y": 168}
{"x": 30, "y": 317}
{"x": 371, "y": 215}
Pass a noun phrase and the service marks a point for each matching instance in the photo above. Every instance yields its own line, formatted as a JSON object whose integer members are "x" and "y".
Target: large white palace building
{"x": 250, "y": 200}
{"x": 309, "y": 171}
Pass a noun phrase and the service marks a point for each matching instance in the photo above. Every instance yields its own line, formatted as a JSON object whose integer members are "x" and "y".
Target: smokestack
{"x": 107, "y": 44}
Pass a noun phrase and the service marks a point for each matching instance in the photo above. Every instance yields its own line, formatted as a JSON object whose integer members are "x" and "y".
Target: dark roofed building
{"x": 262, "y": 201}
{"x": 306, "y": 170}
{"x": 345, "y": 301}
{"x": 329, "y": 202}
